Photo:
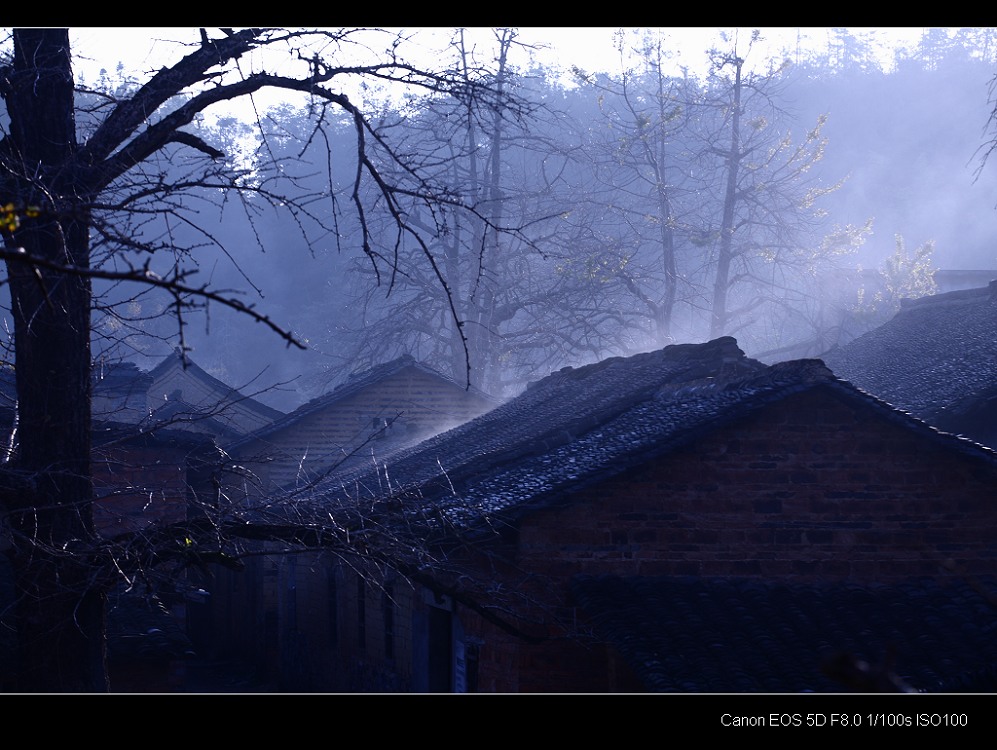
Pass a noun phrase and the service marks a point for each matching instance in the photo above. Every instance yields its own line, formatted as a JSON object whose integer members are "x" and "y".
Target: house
{"x": 853, "y": 301}
{"x": 154, "y": 459}
{"x": 155, "y": 438}
{"x": 151, "y": 478}
{"x": 119, "y": 392}
{"x": 372, "y": 414}
{"x": 176, "y": 394}
{"x": 184, "y": 395}
{"x": 955, "y": 279}
{"x": 936, "y": 358}
{"x": 150, "y": 462}
{"x": 692, "y": 462}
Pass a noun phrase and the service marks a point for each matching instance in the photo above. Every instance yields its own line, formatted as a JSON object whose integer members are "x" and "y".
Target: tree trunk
{"x": 60, "y": 607}
{"x": 721, "y": 284}
{"x": 663, "y": 319}
{"x": 488, "y": 353}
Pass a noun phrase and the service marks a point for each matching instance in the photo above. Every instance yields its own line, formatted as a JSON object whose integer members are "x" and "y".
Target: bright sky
{"x": 589, "y": 47}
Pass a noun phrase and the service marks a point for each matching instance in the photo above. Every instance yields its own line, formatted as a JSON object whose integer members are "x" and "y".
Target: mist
{"x": 576, "y": 272}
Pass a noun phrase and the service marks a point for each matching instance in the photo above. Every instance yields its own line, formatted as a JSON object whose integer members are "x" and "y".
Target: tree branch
{"x": 189, "y": 139}
{"x": 144, "y": 275}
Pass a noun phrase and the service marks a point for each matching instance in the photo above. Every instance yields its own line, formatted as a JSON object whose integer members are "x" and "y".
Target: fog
{"x": 579, "y": 273}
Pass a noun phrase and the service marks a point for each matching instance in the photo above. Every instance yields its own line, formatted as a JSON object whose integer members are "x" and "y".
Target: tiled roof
{"x": 120, "y": 378}
{"x": 684, "y": 634}
{"x": 108, "y": 433}
{"x": 579, "y": 426}
{"x": 355, "y": 384}
{"x": 935, "y": 354}
{"x": 231, "y": 395}
{"x": 177, "y": 412}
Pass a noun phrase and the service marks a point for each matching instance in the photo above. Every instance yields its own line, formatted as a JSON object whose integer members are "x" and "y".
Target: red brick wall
{"x": 138, "y": 486}
{"x": 809, "y": 489}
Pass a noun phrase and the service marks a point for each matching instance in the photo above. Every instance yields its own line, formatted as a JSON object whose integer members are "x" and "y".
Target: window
{"x": 361, "y": 615}
{"x": 440, "y": 650}
{"x": 472, "y": 654}
{"x": 388, "y": 610}
{"x": 333, "y": 608}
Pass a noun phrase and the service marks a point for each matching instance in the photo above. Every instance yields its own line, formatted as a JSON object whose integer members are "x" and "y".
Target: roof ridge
{"x": 235, "y": 394}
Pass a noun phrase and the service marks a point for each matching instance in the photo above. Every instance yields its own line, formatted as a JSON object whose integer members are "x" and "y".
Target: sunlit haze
{"x": 592, "y": 48}
{"x": 903, "y": 141}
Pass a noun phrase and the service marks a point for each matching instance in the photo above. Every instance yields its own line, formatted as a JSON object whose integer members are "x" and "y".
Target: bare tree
{"x": 989, "y": 146}
{"x": 107, "y": 178}
{"x": 762, "y": 224}
{"x": 705, "y": 218}
{"x": 490, "y": 250}
{"x": 640, "y": 158}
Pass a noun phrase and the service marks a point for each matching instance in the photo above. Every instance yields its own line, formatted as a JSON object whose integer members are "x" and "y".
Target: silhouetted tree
{"x": 110, "y": 177}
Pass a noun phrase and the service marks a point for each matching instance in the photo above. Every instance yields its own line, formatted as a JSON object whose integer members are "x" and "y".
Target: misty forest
{"x": 498, "y": 219}
{"x": 601, "y": 203}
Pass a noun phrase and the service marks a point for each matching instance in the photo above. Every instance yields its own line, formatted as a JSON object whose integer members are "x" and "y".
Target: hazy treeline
{"x": 603, "y": 215}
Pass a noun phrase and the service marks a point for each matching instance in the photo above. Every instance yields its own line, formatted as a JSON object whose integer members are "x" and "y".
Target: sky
{"x": 592, "y": 48}
{"x": 589, "y": 47}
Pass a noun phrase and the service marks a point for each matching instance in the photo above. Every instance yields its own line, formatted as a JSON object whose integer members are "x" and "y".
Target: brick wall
{"x": 138, "y": 486}
{"x": 810, "y": 489}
